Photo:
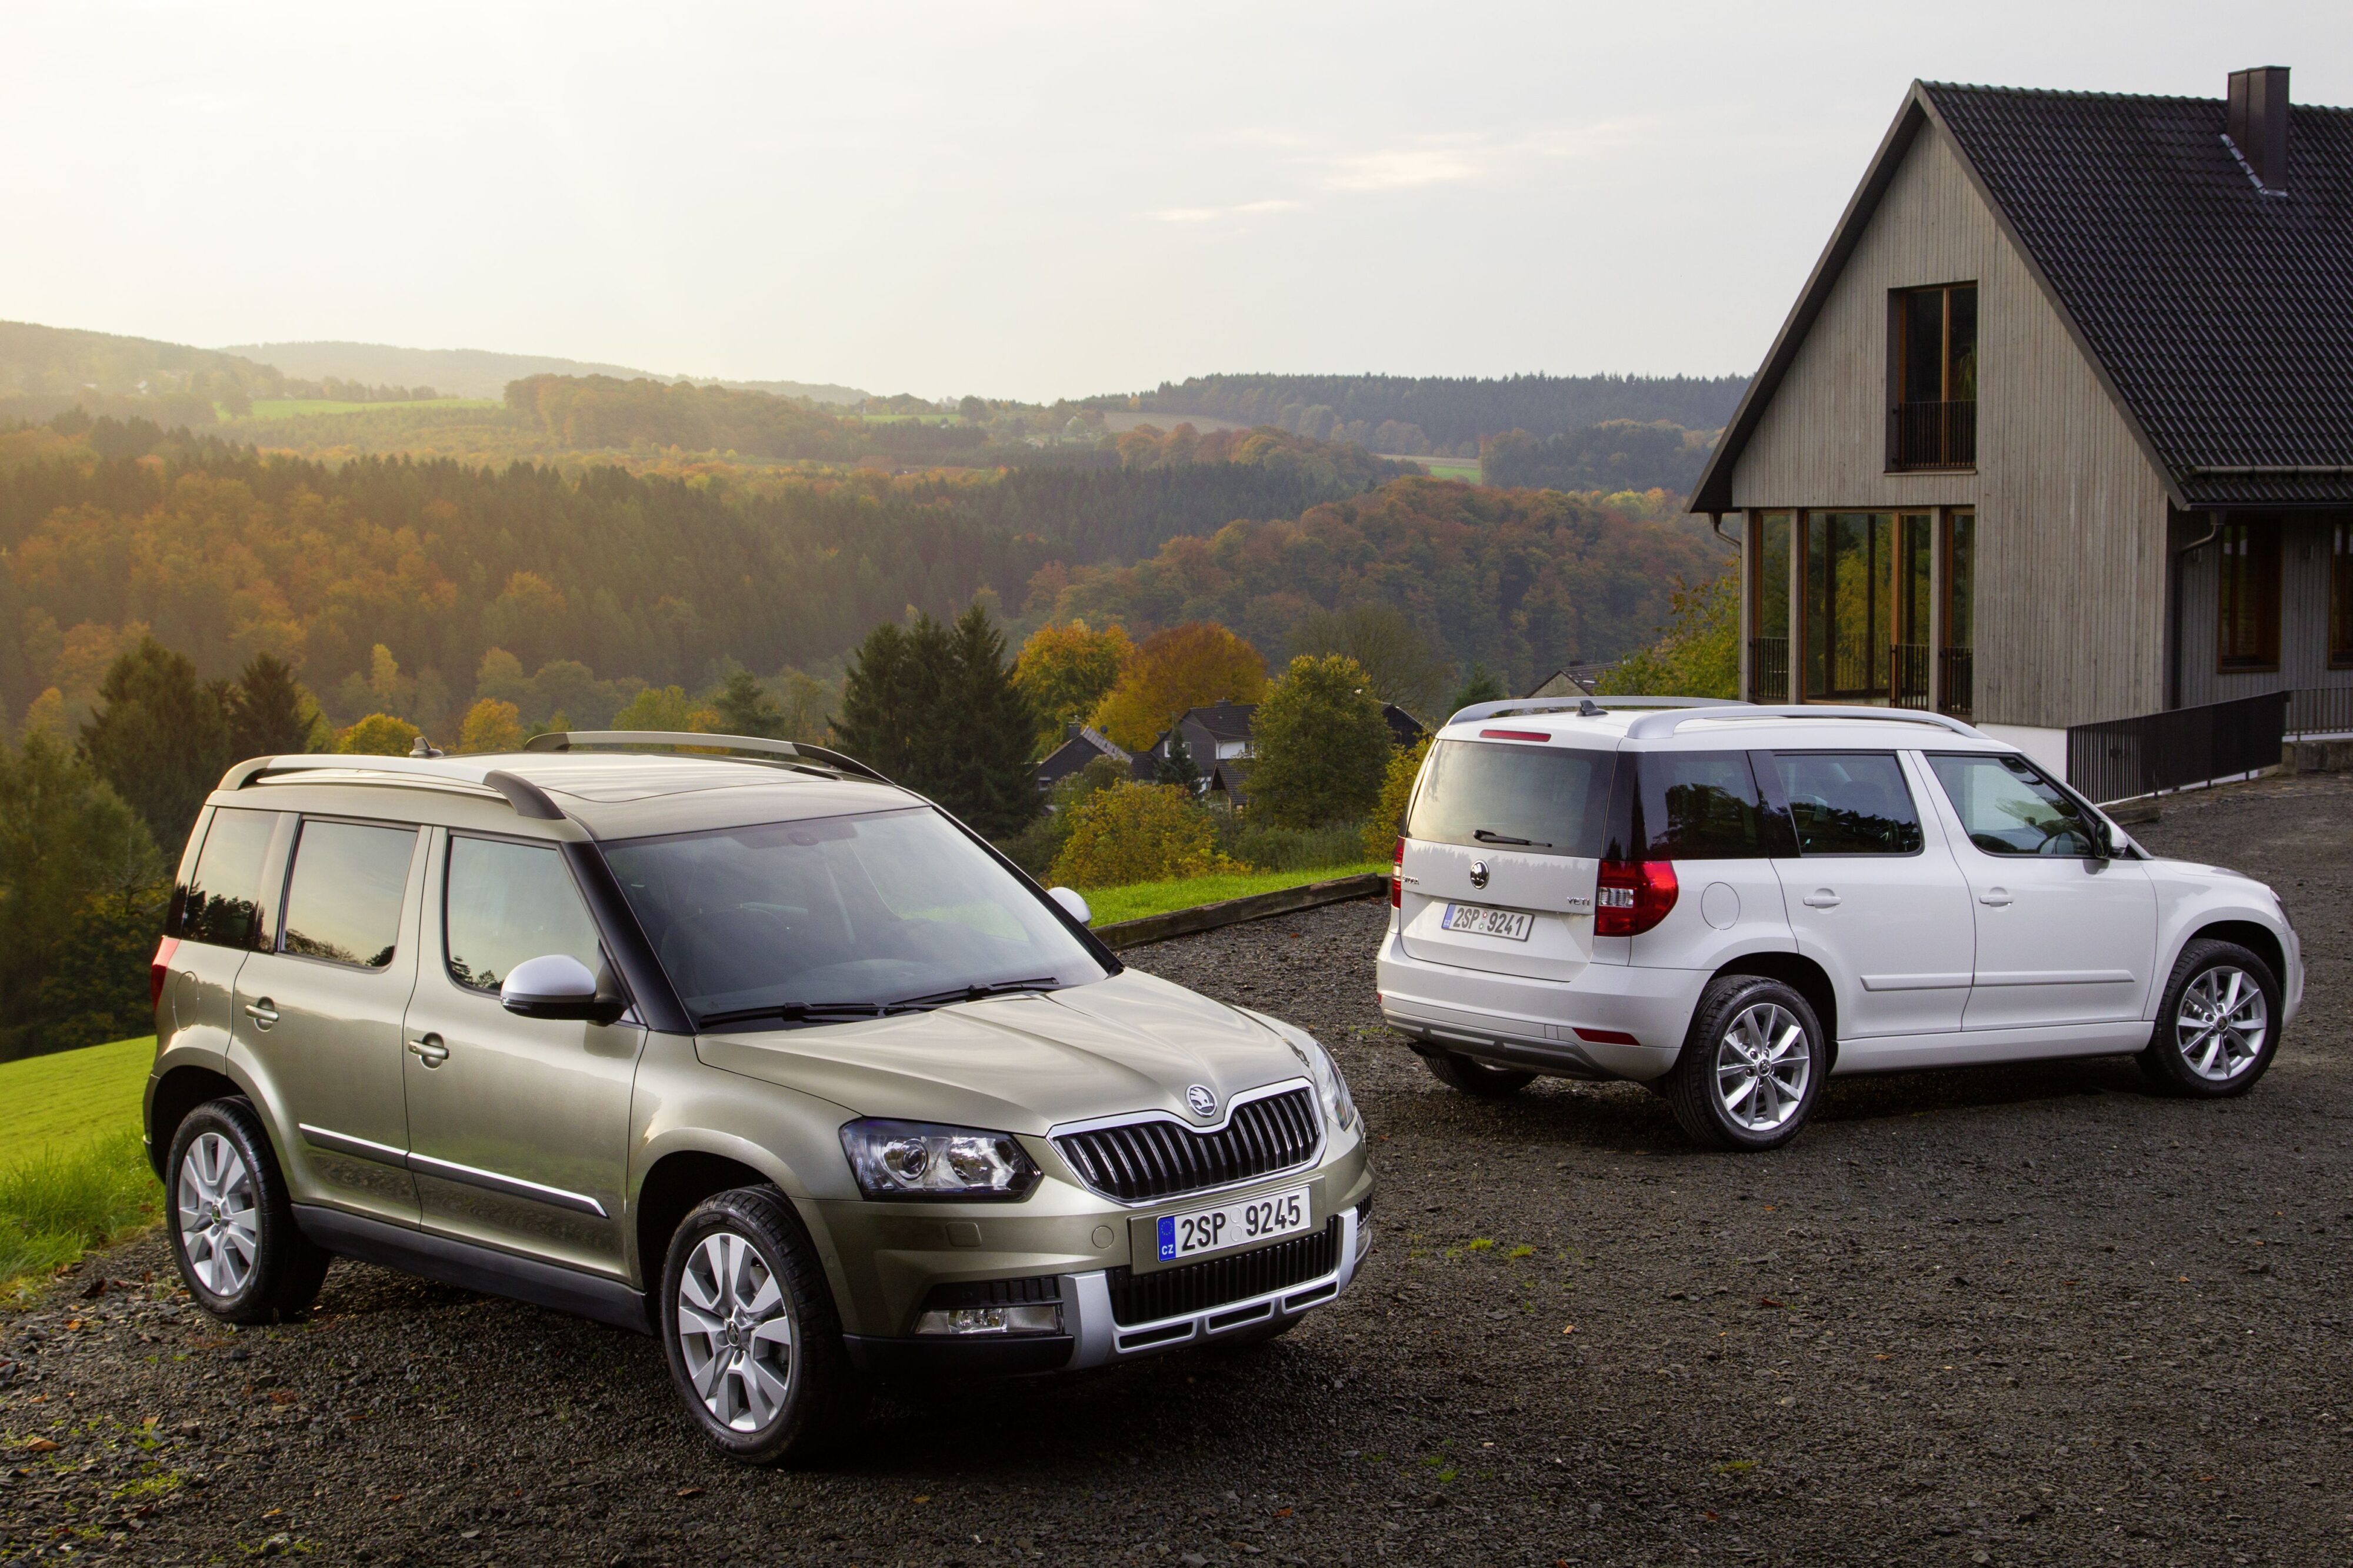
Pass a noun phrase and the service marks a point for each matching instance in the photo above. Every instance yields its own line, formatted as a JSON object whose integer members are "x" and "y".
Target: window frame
{"x": 285, "y": 886}
{"x": 609, "y": 970}
{"x": 1769, "y": 776}
{"x": 2260, "y": 542}
{"x": 1899, "y": 366}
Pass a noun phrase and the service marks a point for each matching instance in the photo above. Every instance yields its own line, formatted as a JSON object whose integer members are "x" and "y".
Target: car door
{"x": 2064, "y": 934}
{"x": 317, "y": 1023}
{"x": 1882, "y": 909}
{"x": 519, "y": 1128}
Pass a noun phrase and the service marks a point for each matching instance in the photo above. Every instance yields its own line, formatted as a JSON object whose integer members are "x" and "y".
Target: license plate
{"x": 1512, "y": 925}
{"x": 1232, "y": 1224}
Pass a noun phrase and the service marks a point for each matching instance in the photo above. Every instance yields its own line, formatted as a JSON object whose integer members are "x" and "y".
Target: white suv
{"x": 1727, "y": 902}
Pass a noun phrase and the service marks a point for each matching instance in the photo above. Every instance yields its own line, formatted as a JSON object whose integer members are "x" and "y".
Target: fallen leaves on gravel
{"x": 689, "y": 1492}
{"x": 39, "y": 1446}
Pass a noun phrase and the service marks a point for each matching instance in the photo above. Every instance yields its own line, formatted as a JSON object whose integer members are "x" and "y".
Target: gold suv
{"x": 756, "y": 1052}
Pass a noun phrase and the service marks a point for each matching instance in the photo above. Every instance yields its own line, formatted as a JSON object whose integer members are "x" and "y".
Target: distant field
{"x": 1140, "y": 898}
{"x": 294, "y": 407}
{"x": 1465, "y": 468}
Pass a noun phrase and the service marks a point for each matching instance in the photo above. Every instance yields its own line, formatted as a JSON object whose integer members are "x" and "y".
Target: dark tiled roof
{"x": 2223, "y": 314}
{"x": 1226, "y": 720}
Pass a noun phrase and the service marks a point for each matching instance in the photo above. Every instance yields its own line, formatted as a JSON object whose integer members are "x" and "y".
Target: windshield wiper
{"x": 1489, "y": 835}
{"x": 793, "y": 1012}
{"x": 975, "y": 993}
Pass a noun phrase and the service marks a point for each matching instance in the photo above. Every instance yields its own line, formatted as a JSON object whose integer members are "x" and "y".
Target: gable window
{"x": 1933, "y": 374}
{"x": 2248, "y": 584}
{"x": 2341, "y": 595}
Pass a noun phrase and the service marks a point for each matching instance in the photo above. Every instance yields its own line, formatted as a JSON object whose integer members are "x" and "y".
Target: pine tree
{"x": 1179, "y": 767}
{"x": 745, "y": 707}
{"x": 985, "y": 776}
{"x": 876, "y": 692}
{"x": 160, "y": 738}
{"x": 269, "y": 714}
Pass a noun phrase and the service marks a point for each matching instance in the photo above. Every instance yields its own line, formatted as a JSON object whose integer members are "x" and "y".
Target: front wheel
{"x": 754, "y": 1343}
{"x": 1751, "y": 1066}
{"x": 1476, "y": 1077}
{"x": 232, "y": 1226}
{"x": 2218, "y": 1028}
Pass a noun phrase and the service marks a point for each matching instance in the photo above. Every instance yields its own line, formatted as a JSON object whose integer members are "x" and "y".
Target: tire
{"x": 1718, "y": 1096}
{"x": 753, "y": 1338}
{"x": 1476, "y": 1077}
{"x": 240, "y": 1252}
{"x": 2186, "y": 1054}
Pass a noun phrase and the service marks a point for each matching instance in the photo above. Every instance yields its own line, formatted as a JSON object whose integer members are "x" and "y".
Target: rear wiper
{"x": 975, "y": 993}
{"x": 793, "y": 1012}
{"x": 1489, "y": 835}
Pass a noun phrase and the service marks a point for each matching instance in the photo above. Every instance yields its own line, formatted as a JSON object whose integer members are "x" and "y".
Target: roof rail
{"x": 1652, "y": 726}
{"x": 1581, "y": 704}
{"x": 757, "y": 746}
{"x": 527, "y": 798}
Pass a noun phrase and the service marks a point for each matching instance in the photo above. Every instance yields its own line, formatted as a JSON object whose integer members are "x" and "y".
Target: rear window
{"x": 222, "y": 904}
{"x": 1540, "y": 800}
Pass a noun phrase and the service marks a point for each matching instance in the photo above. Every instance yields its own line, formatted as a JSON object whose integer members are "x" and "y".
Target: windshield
{"x": 838, "y": 912}
{"x": 1541, "y": 800}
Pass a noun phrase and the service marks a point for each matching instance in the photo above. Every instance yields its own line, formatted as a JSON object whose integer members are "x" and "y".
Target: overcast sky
{"x": 1032, "y": 200}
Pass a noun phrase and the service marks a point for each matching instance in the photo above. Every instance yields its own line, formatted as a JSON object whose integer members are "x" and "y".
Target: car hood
{"x": 1022, "y": 1063}
{"x": 2163, "y": 866}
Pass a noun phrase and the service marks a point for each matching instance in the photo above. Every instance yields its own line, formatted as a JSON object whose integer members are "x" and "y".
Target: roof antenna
{"x": 425, "y": 748}
{"x": 1588, "y": 709}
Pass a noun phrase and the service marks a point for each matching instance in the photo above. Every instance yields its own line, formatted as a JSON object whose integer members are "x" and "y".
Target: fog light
{"x": 1046, "y": 1318}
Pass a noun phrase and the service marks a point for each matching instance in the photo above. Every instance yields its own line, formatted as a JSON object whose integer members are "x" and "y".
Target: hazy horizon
{"x": 1039, "y": 202}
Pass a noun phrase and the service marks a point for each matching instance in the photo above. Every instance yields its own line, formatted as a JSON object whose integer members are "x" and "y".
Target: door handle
{"x": 1999, "y": 898}
{"x": 1820, "y": 898}
{"x": 263, "y": 1011}
{"x": 428, "y": 1050}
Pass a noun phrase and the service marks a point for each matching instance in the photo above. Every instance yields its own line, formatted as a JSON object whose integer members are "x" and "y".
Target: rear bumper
{"x": 1577, "y": 1028}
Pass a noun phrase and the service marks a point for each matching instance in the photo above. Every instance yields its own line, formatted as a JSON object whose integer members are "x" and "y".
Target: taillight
{"x": 159, "y": 969}
{"x": 1397, "y": 877}
{"x": 1633, "y": 896}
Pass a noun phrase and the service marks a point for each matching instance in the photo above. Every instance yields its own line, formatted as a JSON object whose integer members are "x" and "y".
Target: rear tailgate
{"x": 1555, "y": 892}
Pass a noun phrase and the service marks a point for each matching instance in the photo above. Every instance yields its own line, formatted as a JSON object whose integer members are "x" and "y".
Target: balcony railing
{"x": 2127, "y": 757}
{"x": 1959, "y": 682}
{"x": 1769, "y": 670}
{"x": 1907, "y": 675}
{"x": 1933, "y": 436}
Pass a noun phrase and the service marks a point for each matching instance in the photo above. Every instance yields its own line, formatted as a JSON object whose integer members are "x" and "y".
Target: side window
{"x": 1848, "y": 803}
{"x": 222, "y": 904}
{"x": 2009, "y": 809}
{"x": 1701, "y": 805}
{"x": 508, "y": 902}
{"x": 342, "y": 901}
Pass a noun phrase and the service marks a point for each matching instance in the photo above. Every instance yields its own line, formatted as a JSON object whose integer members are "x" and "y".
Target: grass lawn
{"x": 72, "y": 1173}
{"x": 1466, "y": 470}
{"x": 292, "y": 407}
{"x": 1140, "y": 898}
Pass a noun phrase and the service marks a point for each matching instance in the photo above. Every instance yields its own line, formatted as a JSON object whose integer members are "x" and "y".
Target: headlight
{"x": 1330, "y": 1086}
{"x": 918, "y": 1160}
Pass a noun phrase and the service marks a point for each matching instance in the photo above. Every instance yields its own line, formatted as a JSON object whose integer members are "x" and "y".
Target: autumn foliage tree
{"x": 1067, "y": 670}
{"x": 1185, "y": 667}
{"x": 1697, "y": 652}
{"x": 1322, "y": 745}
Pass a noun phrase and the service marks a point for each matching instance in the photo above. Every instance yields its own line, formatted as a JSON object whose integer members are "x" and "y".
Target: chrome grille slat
{"x": 1152, "y": 1158}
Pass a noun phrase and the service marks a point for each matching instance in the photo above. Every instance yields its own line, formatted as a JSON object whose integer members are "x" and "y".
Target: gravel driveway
{"x": 2026, "y": 1315}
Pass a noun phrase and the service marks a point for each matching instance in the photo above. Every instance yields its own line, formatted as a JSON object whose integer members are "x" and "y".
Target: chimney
{"x": 2258, "y": 122}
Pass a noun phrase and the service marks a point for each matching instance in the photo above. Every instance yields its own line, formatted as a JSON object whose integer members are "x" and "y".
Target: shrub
{"x": 1381, "y": 829}
{"x": 1322, "y": 745}
{"x": 1138, "y": 832}
{"x": 1037, "y": 847}
{"x": 491, "y": 725}
{"x": 1264, "y": 847}
{"x": 377, "y": 735}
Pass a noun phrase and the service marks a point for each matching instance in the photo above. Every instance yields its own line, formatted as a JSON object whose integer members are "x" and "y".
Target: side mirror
{"x": 1072, "y": 905}
{"x": 557, "y": 985}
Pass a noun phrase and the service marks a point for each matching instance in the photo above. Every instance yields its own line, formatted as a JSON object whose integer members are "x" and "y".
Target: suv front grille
{"x": 1200, "y": 1287}
{"x": 1142, "y": 1160}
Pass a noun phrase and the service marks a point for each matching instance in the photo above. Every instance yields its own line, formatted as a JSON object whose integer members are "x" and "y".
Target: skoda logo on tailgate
{"x": 1204, "y": 1104}
{"x": 1478, "y": 873}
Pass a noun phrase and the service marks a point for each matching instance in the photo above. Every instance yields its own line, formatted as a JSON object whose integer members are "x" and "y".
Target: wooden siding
{"x": 2070, "y": 605}
{"x": 2304, "y": 615}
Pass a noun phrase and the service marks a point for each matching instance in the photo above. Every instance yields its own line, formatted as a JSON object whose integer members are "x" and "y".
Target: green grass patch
{"x": 295, "y": 407}
{"x": 1140, "y": 898}
{"x": 73, "y": 1173}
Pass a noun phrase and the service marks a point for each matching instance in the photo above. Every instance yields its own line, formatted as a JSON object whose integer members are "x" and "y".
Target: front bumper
{"x": 1092, "y": 1335}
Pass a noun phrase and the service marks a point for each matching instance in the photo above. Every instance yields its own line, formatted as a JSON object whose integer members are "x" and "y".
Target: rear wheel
{"x": 2219, "y": 1026}
{"x": 1476, "y": 1077}
{"x": 754, "y": 1344}
{"x": 1751, "y": 1066}
{"x": 233, "y": 1233}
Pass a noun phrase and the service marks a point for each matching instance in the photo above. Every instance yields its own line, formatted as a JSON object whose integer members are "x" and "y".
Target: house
{"x": 1217, "y": 737}
{"x": 1084, "y": 744}
{"x": 2060, "y": 428}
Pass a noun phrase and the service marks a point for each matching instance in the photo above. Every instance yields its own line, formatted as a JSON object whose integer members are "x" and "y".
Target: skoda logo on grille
{"x": 1204, "y": 1104}
{"x": 1478, "y": 873}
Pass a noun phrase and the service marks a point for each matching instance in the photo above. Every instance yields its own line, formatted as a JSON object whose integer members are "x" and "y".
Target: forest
{"x": 1448, "y": 413}
{"x": 1616, "y": 455}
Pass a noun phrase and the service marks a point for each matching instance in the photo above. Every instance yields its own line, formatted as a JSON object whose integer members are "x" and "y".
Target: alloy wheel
{"x": 2221, "y": 1023}
{"x": 736, "y": 1330}
{"x": 220, "y": 1229}
{"x": 1763, "y": 1063}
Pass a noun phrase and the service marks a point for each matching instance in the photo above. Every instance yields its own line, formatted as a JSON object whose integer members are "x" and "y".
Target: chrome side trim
{"x": 513, "y": 1186}
{"x": 357, "y": 1148}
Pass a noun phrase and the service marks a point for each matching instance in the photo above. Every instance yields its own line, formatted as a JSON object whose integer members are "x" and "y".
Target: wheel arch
{"x": 673, "y": 1183}
{"x": 2253, "y": 935}
{"x": 170, "y": 1099}
{"x": 1804, "y": 976}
